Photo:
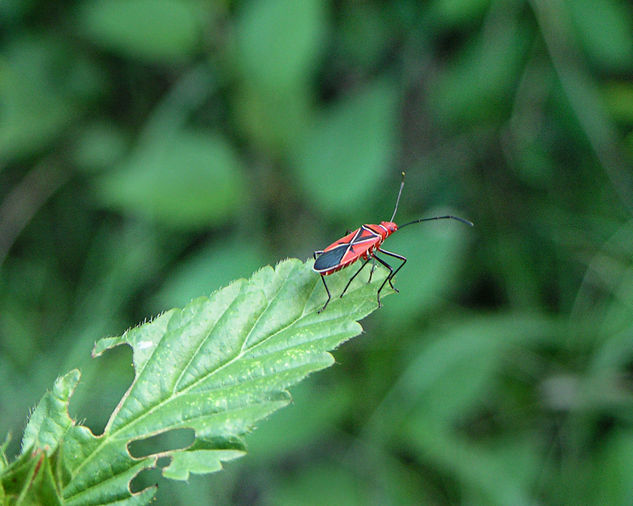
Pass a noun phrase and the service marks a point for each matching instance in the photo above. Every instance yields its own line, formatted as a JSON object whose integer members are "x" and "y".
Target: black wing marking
{"x": 330, "y": 259}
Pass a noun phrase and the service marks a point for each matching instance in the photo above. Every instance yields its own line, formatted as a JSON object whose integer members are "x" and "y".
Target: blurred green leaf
{"x": 98, "y": 146}
{"x": 174, "y": 111}
{"x": 478, "y": 85}
{"x": 192, "y": 179}
{"x": 349, "y": 149}
{"x": 514, "y": 266}
{"x": 502, "y": 474}
{"x": 452, "y": 374}
{"x": 208, "y": 269}
{"x": 12, "y": 11}
{"x": 453, "y": 13}
{"x": 278, "y": 41}
{"x": 615, "y": 352}
{"x": 274, "y": 120}
{"x": 157, "y": 31}
{"x": 605, "y": 29}
{"x": 325, "y": 484}
{"x": 435, "y": 253}
{"x": 363, "y": 34}
{"x": 617, "y": 315}
{"x": 33, "y": 108}
{"x": 290, "y": 430}
{"x": 535, "y": 164}
{"x": 619, "y": 100}
{"x": 611, "y": 477}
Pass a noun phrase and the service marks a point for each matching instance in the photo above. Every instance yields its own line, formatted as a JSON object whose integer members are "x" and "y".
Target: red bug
{"x": 365, "y": 242}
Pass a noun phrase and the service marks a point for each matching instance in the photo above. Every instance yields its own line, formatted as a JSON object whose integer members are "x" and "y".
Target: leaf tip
{"x": 104, "y": 344}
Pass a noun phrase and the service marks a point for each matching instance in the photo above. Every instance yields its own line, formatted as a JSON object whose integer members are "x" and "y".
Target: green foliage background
{"x": 153, "y": 150}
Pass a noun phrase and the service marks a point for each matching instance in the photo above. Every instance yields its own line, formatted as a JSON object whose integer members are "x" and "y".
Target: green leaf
{"x": 3, "y": 453}
{"x": 218, "y": 366}
{"x": 30, "y": 480}
{"x": 189, "y": 180}
{"x": 349, "y": 149}
{"x": 153, "y": 30}
{"x": 50, "y": 420}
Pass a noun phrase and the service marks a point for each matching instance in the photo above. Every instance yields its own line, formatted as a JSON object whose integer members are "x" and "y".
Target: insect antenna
{"x": 438, "y": 218}
{"x": 395, "y": 209}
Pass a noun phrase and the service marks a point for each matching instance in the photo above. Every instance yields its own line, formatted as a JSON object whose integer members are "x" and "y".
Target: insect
{"x": 364, "y": 243}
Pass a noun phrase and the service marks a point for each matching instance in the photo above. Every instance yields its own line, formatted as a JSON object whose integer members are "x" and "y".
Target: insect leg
{"x": 373, "y": 268}
{"x": 399, "y": 257}
{"x": 352, "y": 278}
{"x": 388, "y": 278}
{"x": 328, "y": 294}
{"x": 315, "y": 255}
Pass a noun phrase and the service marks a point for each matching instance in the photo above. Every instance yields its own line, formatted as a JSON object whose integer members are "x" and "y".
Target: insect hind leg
{"x": 329, "y": 296}
{"x": 327, "y": 290}
{"x": 392, "y": 272}
{"x": 352, "y": 278}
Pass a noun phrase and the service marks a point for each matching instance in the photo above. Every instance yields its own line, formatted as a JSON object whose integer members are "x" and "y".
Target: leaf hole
{"x": 106, "y": 379}
{"x": 145, "y": 479}
{"x": 175, "y": 439}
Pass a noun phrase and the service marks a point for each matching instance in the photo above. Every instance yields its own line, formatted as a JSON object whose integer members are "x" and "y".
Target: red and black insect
{"x": 365, "y": 242}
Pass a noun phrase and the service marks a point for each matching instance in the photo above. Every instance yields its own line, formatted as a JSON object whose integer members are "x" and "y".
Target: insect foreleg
{"x": 399, "y": 257}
